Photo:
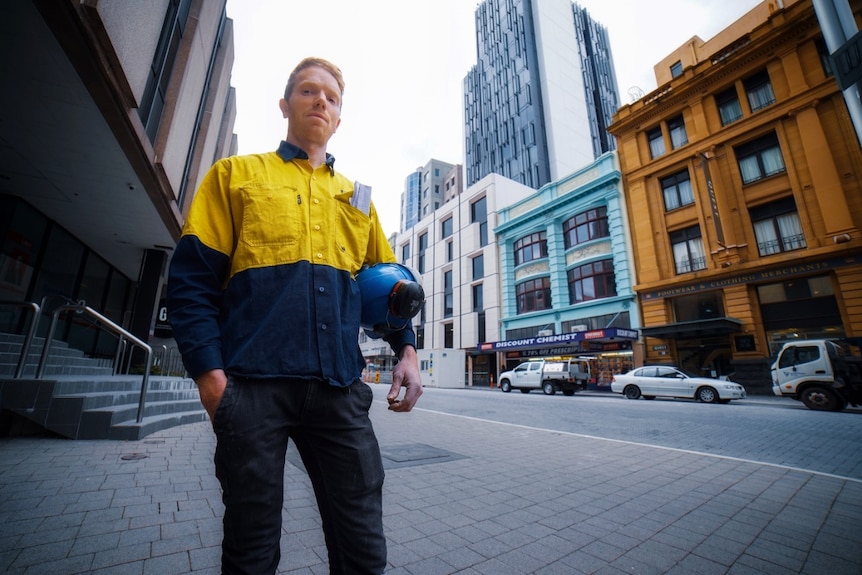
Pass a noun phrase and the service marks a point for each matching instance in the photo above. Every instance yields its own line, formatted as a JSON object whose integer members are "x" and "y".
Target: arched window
{"x": 533, "y": 295}
{"x": 586, "y": 226}
{"x": 592, "y": 281}
{"x": 531, "y": 247}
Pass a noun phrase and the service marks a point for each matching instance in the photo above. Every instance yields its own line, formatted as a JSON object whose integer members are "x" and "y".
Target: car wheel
{"x": 506, "y": 386}
{"x": 525, "y": 390}
{"x": 549, "y": 388}
{"x": 822, "y": 399}
{"x": 707, "y": 395}
{"x": 632, "y": 392}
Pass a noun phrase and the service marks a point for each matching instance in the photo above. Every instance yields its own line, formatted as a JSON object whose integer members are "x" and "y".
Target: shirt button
{"x": 319, "y": 255}
{"x": 316, "y": 201}
{"x": 323, "y": 326}
{"x": 317, "y": 228}
{"x": 321, "y": 289}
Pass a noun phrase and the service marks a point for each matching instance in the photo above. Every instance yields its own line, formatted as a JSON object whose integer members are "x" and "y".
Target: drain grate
{"x": 133, "y": 456}
{"x": 395, "y": 456}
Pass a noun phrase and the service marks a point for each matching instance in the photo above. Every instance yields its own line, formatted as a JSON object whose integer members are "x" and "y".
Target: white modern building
{"x": 454, "y": 251}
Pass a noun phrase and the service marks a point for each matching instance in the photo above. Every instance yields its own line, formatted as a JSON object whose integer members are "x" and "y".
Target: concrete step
{"x": 62, "y": 360}
{"x": 103, "y": 407}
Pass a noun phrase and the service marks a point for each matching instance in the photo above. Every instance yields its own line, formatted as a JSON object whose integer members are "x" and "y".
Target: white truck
{"x": 567, "y": 376}
{"x": 824, "y": 374}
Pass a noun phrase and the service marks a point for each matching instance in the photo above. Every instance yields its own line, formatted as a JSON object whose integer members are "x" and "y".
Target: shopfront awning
{"x": 698, "y": 328}
{"x": 565, "y": 342}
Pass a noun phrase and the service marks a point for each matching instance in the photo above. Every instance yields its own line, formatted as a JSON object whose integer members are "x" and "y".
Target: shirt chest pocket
{"x": 351, "y": 236}
{"x": 271, "y": 215}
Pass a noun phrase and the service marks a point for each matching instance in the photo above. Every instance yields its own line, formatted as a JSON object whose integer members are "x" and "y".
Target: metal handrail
{"x": 110, "y": 326}
{"x": 31, "y": 331}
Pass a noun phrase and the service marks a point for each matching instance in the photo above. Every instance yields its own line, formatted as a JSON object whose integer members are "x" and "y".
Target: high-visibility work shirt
{"x": 261, "y": 283}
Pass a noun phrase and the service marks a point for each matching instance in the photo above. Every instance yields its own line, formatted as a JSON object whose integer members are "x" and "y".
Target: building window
{"x": 478, "y": 303}
{"x": 450, "y": 250}
{"x": 592, "y": 281}
{"x": 688, "y": 254}
{"x": 482, "y": 333}
{"x": 533, "y": 295}
{"x": 676, "y": 129}
{"x": 759, "y": 158}
{"x": 777, "y": 227}
{"x": 677, "y": 191}
{"x": 448, "y": 294}
{"x": 479, "y": 215}
{"x": 446, "y": 228}
{"x": 825, "y": 58}
{"x": 405, "y": 253}
{"x": 423, "y": 245}
{"x": 449, "y": 336}
{"x": 586, "y": 226}
{"x": 759, "y": 91}
{"x": 707, "y": 305}
{"x": 478, "y": 264}
{"x": 532, "y": 247}
{"x": 676, "y": 69}
{"x": 729, "y": 109}
{"x": 155, "y": 93}
{"x": 656, "y": 143}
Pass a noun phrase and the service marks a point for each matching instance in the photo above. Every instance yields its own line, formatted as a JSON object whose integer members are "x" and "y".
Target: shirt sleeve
{"x": 198, "y": 272}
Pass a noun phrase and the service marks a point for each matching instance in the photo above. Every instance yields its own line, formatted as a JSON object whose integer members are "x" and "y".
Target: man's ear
{"x": 284, "y": 107}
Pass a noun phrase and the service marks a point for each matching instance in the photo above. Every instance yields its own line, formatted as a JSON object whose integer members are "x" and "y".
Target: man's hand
{"x": 211, "y": 387}
{"x": 406, "y": 375}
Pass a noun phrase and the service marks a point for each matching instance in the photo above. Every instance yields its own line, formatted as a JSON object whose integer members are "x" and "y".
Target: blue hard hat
{"x": 391, "y": 296}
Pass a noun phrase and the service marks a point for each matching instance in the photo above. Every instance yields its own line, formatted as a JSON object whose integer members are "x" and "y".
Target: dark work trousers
{"x": 330, "y": 428}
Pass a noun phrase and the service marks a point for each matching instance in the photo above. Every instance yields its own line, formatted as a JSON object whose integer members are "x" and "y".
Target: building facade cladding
{"x": 149, "y": 106}
{"x": 595, "y": 189}
{"x": 746, "y": 221}
{"x": 600, "y": 80}
{"x": 542, "y": 93}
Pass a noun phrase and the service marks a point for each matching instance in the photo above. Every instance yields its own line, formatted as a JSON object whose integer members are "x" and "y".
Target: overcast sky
{"x": 404, "y": 62}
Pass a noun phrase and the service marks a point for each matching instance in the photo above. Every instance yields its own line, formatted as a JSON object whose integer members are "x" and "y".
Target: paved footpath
{"x": 462, "y": 496}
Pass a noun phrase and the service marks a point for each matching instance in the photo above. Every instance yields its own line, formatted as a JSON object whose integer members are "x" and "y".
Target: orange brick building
{"x": 742, "y": 176}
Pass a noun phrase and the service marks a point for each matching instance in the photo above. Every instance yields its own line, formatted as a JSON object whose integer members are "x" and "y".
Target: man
{"x": 265, "y": 310}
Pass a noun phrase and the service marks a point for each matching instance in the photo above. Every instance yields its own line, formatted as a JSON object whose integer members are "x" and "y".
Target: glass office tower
{"x": 542, "y": 93}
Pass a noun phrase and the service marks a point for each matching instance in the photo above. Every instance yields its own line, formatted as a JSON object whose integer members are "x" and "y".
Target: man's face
{"x": 313, "y": 107}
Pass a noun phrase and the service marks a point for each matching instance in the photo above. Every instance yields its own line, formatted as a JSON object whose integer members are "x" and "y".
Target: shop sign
{"x": 562, "y": 339}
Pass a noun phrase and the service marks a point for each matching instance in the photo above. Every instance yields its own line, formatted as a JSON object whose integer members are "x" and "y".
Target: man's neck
{"x": 316, "y": 153}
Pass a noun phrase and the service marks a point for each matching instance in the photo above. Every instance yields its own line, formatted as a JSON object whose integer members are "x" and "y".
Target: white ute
{"x": 567, "y": 376}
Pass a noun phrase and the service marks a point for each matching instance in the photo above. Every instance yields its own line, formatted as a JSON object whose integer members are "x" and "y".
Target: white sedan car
{"x": 651, "y": 381}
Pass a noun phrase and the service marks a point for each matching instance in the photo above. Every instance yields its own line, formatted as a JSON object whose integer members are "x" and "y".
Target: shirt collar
{"x": 288, "y": 151}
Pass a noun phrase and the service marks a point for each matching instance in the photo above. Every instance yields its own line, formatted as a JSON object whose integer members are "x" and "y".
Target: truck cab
{"x": 822, "y": 374}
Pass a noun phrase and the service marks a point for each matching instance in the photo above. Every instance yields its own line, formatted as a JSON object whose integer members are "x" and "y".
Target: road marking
{"x": 638, "y": 444}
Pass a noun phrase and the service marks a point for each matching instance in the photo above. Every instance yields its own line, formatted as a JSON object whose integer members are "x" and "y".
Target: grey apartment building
{"x": 112, "y": 111}
{"x": 426, "y": 189}
{"x": 542, "y": 93}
